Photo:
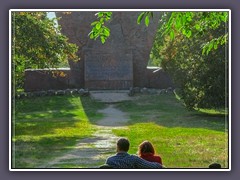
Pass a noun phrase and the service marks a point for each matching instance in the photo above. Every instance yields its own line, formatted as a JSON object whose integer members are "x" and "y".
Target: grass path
{"x": 92, "y": 152}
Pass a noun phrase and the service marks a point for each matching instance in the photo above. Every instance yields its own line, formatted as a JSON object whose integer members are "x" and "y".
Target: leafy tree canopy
{"x": 183, "y": 22}
{"x": 37, "y": 43}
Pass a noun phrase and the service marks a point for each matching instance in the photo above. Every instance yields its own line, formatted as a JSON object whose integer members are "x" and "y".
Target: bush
{"x": 201, "y": 78}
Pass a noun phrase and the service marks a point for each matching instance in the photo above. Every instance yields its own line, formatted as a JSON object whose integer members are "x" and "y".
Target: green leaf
{"x": 184, "y": 31}
{"x": 140, "y": 17}
{"x": 189, "y": 18}
{"x": 198, "y": 27}
{"x": 178, "y": 22}
{"x": 98, "y": 26}
{"x": 146, "y": 20}
{"x": 100, "y": 14}
{"x": 172, "y": 35}
{"x": 204, "y": 50}
{"x": 93, "y": 23}
{"x": 189, "y": 33}
{"x": 224, "y": 17}
{"x": 106, "y": 32}
{"x": 184, "y": 20}
{"x": 103, "y": 39}
{"x": 210, "y": 45}
{"x": 91, "y": 36}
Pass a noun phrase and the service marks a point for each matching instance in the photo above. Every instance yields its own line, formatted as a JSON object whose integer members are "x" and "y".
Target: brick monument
{"x": 121, "y": 62}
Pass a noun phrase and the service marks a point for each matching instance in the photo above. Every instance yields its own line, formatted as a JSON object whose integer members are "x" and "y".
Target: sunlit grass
{"x": 46, "y": 127}
{"x": 184, "y": 139}
{"x": 214, "y": 111}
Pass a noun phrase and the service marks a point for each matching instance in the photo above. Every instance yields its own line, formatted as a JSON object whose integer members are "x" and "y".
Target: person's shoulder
{"x": 134, "y": 156}
{"x": 110, "y": 158}
{"x": 159, "y": 159}
{"x": 157, "y": 156}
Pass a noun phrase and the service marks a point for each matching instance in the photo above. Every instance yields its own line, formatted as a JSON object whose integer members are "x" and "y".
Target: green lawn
{"x": 46, "y": 127}
{"x": 184, "y": 139}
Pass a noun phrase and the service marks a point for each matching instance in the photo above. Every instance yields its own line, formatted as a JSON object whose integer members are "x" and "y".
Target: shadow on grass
{"x": 167, "y": 111}
{"x": 91, "y": 108}
{"x": 53, "y": 147}
{"x": 47, "y": 103}
{"x": 41, "y": 127}
{"x": 45, "y": 127}
{"x": 43, "y": 115}
{"x": 29, "y": 153}
{"x": 58, "y": 115}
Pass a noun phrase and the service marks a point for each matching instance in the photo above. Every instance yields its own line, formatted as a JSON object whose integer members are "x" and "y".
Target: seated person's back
{"x": 124, "y": 160}
{"x": 147, "y": 152}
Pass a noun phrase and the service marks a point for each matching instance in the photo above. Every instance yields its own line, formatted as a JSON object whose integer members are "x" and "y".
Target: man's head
{"x": 123, "y": 145}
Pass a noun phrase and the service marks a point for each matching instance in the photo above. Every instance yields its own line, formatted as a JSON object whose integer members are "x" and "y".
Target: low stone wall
{"x": 60, "y": 79}
{"x": 85, "y": 92}
{"x": 46, "y": 79}
{"x": 51, "y": 92}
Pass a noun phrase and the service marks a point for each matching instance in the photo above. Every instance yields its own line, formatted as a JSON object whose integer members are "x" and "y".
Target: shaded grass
{"x": 45, "y": 127}
{"x": 167, "y": 111}
{"x": 184, "y": 139}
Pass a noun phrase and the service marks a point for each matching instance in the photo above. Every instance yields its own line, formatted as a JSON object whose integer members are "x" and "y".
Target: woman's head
{"x": 145, "y": 147}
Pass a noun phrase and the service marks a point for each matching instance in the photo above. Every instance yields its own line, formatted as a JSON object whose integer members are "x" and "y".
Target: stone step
{"x": 110, "y": 96}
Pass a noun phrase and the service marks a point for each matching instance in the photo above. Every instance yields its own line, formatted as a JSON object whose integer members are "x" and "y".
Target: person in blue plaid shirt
{"x": 124, "y": 160}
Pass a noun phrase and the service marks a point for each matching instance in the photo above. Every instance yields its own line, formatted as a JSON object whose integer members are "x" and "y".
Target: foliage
{"x": 198, "y": 22}
{"x": 201, "y": 78}
{"x": 37, "y": 43}
{"x": 99, "y": 29}
{"x": 147, "y": 16}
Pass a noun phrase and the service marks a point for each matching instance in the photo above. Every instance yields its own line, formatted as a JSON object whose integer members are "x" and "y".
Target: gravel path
{"x": 92, "y": 152}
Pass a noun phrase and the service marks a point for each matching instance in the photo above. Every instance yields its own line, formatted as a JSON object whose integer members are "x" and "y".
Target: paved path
{"x": 111, "y": 96}
{"x": 93, "y": 151}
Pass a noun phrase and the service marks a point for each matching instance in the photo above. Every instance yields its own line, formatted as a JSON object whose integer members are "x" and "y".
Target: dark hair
{"x": 105, "y": 166}
{"x": 214, "y": 166}
{"x": 145, "y": 147}
{"x": 123, "y": 144}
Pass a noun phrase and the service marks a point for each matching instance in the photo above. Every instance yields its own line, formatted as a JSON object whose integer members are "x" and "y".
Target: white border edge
{"x": 10, "y": 90}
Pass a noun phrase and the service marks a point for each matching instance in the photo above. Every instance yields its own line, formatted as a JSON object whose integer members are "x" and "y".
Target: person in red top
{"x": 147, "y": 152}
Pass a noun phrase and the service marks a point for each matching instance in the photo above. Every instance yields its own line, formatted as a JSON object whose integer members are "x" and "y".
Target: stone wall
{"x": 45, "y": 79}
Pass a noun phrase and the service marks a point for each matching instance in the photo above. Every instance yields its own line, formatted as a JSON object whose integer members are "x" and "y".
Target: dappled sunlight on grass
{"x": 45, "y": 127}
